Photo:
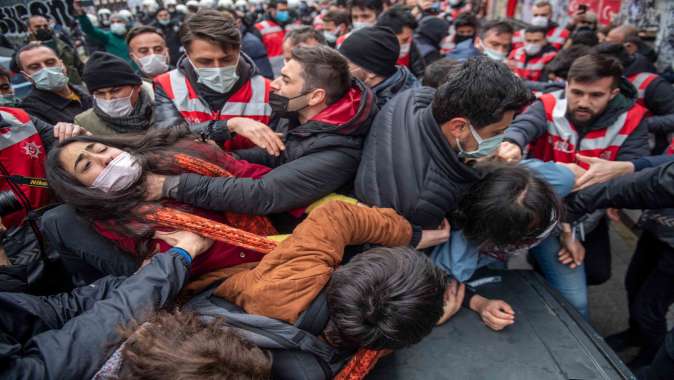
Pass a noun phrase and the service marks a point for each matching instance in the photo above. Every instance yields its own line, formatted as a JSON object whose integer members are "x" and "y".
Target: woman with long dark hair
{"x": 104, "y": 179}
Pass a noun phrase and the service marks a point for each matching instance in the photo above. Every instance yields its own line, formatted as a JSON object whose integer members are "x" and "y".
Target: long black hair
{"x": 509, "y": 206}
{"x": 119, "y": 210}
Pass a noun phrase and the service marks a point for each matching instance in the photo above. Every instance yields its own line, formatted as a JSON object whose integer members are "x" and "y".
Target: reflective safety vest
{"x": 532, "y": 68}
{"x": 556, "y": 37}
{"x": 560, "y": 141}
{"x": 641, "y": 81}
{"x": 22, "y": 153}
{"x": 272, "y": 37}
{"x": 251, "y": 101}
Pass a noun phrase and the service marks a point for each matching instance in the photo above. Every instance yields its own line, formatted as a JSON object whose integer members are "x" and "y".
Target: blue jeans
{"x": 571, "y": 283}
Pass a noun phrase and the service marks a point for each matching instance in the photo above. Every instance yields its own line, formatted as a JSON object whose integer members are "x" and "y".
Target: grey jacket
{"x": 70, "y": 335}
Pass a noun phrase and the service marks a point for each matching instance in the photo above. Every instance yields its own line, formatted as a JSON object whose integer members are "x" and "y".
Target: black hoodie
{"x": 321, "y": 156}
{"x": 408, "y": 164}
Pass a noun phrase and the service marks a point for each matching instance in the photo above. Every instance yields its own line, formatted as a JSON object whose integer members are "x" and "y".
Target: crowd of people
{"x": 262, "y": 189}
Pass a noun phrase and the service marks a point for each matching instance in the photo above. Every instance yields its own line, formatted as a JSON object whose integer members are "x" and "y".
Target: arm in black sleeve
{"x": 81, "y": 346}
{"x": 659, "y": 97}
{"x": 46, "y": 132}
{"x": 636, "y": 144}
{"x": 528, "y": 126}
{"x": 663, "y": 124}
{"x": 649, "y": 189}
{"x": 258, "y": 156}
{"x": 291, "y": 185}
{"x": 651, "y": 161}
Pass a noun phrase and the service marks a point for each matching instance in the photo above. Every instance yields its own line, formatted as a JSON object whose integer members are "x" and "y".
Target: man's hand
{"x": 154, "y": 184}
{"x": 194, "y": 244}
{"x": 259, "y": 133}
{"x": 431, "y": 238}
{"x": 576, "y": 169}
{"x": 509, "y": 152}
{"x": 572, "y": 252}
{"x": 496, "y": 314}
{"x": 64, "y": 131}
{"x": 453, "y": 299}
{"x": 601, "y": 171}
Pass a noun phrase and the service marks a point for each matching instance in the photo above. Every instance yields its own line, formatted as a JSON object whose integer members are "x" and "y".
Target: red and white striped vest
{"x": 533, "y": 68}
{"x": 560, "y": 141}
{"x": 22, "y": 153}
{"x": 556, "y": 37}
{"x": 272, "y": 37}
{"x": 251, "y": 101}
{"x": 641, "y": 81}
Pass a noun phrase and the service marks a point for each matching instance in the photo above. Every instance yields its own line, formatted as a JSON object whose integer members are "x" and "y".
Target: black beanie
{"x": 375, "y": 49}
{"x": 435, "y": 28}
{"x": 106, "y": 70}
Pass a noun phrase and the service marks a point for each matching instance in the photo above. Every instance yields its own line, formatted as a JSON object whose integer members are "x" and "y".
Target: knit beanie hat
{"x": 375, "y": 49}
{"x": 106, "y": 70}
{"x": 435, "y": 28}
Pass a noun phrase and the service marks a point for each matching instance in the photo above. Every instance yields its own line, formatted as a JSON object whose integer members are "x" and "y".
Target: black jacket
{"x": 321, "y": 156}
{"x": 530, "y": 125}
{"x": 53, "y": 108}
{"x": 401, "y": 80}
{"x": 417, "y": 64}
{"x": 659, "y": 99}
{"x": 70, "y": 335}
{"x": 172, "y": 39}
{"x": 165, "y": 111}
{"x": 651, "y": 188}
{"x": 408, "y": 164}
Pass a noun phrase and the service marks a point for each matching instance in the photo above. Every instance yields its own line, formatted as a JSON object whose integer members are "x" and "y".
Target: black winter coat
{"x": 52, "y": 108}
{"x": 70, "y": 335}
{"x": 408, "y": 164}
{"x": 321, "y": 156}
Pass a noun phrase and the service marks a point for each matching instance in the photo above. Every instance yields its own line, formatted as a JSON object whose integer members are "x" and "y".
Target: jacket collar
{"x": 57, "y": 101}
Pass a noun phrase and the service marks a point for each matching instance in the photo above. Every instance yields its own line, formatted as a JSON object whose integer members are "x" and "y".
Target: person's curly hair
{"x": 183, "y": 346}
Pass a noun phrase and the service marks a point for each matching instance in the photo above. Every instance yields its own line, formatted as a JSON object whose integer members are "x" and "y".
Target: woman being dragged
{"x": 105, "y": 180}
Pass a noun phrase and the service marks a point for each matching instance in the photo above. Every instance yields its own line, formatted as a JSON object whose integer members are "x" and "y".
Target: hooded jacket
{"x": 70, "y": 335}
{"x": 166, "y": 113}
{"x": 408, "y": 164}
{"x": 464, "y": 50}
{"x": 400, "y": 81}
{"x": 321, "y": 156}
{"x": 532, "y": 124}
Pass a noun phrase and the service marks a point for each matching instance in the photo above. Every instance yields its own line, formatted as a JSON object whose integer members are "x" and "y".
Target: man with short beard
{"x": 597, "y": 115}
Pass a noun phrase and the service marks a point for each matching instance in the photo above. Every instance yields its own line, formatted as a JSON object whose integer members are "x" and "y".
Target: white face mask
{"x": 120, "y": 173}
{"x": 494, "y": 54}
{"x": 532, "y": 49}
{"x": 118, "y": 28}
{"x": 539, "y": 21}
{"x": 116, "y": 107}
{"x": 218, "y": 79}
{"x": 359, "y": 25}
{"x": 404, "y": 49}
{"x": 153, "y": 64}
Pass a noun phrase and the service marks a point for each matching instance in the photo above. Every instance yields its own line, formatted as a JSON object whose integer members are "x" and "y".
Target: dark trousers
{"x": 598, "y": 254}
{"x": 662, "y": 367}
{"x": 650, "y": 290}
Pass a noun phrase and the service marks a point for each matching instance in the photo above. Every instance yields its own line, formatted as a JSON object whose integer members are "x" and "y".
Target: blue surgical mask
{"x": 218, "y": 79}
{"x": 495, "y": 54}
{"x": 50, "y": 78}
{"x": 485, "y": 147}
{"x": 163, "y": 21}
{"x": 282, "y": 16}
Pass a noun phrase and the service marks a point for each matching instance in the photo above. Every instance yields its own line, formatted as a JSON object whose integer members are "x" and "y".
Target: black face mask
{"x": 279, "y": 104}
{"x": 459, "y": 38}
{"x": 44, "y": 34}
